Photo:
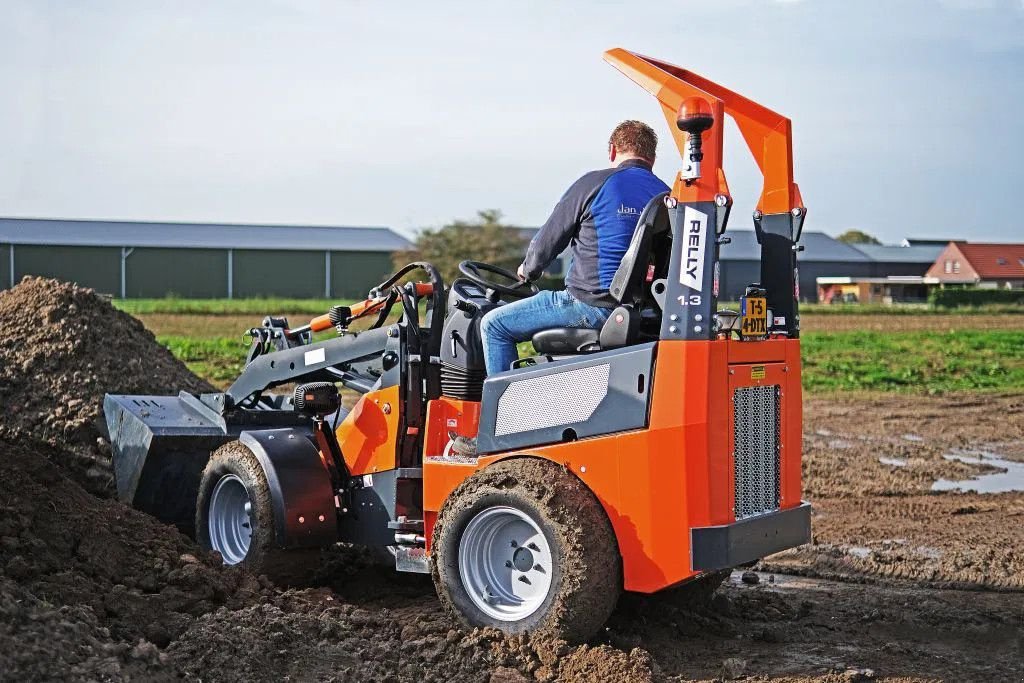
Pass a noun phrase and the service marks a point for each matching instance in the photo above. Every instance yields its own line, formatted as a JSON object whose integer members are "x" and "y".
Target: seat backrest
{"x": 629, "y": 279}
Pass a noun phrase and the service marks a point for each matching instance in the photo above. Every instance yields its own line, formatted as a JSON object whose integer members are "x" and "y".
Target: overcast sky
{"x": 907, "y": 115}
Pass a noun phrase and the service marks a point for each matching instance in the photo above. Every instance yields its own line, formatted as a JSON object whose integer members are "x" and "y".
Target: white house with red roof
{"x": 989, "y": 266}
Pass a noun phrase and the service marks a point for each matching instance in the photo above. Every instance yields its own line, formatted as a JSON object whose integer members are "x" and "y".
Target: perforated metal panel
{"x": 756, "y": 439}
{"x": 561, "y": 398}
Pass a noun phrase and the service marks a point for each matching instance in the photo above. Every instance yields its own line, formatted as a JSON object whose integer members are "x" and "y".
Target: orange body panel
{"x": 446, "y": 415}
{"x": 367, "y": 436}
{"x": 768, "y": 351}
{"x": 658, "y": 483}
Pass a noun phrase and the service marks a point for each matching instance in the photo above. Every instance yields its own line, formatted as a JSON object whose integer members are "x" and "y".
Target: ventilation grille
{"x": 756, "y": 439}
{"x": 553, "y": 400}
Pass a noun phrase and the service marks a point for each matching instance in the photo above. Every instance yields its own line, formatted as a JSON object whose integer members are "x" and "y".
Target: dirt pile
{"x": 309, "y": 635}
{"x": 39, "y": 641}
{"x": 119, "y": 579}
{"x": 91, "y": 589}
{"x": 63, "y": 347}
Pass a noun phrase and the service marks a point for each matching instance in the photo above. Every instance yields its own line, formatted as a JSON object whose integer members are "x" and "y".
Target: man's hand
{"x": 520, "y": 273}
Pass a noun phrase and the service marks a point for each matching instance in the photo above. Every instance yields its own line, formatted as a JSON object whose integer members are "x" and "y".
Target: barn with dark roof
{"x": 138, "y": 259}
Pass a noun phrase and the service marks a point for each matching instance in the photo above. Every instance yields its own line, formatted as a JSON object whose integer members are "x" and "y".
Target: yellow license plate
{"x": 754, "y": 316}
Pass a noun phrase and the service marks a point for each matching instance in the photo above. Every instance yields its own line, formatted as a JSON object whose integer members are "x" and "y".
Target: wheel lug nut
{"x": 508, "y": 563}
{"x": 533, "y": 547}
{"x": 513, "y": 544}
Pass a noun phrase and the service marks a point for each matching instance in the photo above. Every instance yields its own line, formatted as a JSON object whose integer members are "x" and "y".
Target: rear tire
{"x": 524, "y": 546}
{"x": 235, "y": 517}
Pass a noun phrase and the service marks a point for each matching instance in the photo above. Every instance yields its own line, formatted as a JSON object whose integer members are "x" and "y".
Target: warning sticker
{"x": 756, "y": 372}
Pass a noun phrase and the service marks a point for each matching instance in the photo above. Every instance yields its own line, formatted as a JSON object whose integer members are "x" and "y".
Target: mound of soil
{"x": 91, "y": 589}
{"x": 117, "y": 575}
{"x": 62, "y": 349}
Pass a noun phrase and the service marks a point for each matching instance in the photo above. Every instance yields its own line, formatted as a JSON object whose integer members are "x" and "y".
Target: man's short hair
{"x": 635, "y": 137}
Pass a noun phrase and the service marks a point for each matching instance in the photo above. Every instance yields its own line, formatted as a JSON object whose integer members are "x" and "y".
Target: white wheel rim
{"x": 229, "y": 521}
{"x": 505, "y": 563}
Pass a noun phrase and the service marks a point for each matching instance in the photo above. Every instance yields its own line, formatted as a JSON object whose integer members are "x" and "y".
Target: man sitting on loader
{"x": 597, "y": 215}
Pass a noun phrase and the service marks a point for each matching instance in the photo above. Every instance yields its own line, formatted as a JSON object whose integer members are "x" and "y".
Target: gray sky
{"x": 907, "y": 114}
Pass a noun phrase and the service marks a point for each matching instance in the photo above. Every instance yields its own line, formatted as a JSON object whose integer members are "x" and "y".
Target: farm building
{"x": 896, "y": 275}
{"x": 988, "y": 266}
{"x": 900, "y": 261}
{"x": 141, "y": 259}
{"x": 874, "y": 290}
{"x": 822, "y": 255}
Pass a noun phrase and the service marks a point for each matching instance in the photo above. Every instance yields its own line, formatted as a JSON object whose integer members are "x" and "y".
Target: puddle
{"x": 1010, "y": 479}
{"x": 913, "y": 437}
{"x": 859, "y": 551}
{"x": 895, "y": 462}
{"x": 840, "y": 443}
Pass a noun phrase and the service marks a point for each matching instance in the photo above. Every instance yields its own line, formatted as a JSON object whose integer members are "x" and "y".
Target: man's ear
{"x": 612, "y": 153}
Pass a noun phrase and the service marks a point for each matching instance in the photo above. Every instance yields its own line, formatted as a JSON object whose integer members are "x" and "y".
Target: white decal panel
{"x": 315, "y": 356}
{"x": 691, "y": 261}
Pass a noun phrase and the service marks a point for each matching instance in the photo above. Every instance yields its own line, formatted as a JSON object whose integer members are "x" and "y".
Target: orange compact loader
{"x": 660, "y": 450}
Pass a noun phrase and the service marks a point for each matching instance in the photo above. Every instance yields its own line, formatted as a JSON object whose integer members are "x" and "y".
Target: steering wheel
{"x": 520, "y": 290}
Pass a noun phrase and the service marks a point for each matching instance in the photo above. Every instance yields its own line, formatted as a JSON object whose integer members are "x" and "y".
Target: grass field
{"x": 260, "y": 307}
{"x": 909, "y": 362}
{"x": 218, "y": 307}
{"x": 913, "y": 362}
{"x": 926, "y": 353}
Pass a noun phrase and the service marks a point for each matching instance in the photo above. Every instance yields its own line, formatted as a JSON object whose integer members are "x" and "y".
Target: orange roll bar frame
{"x": 768, "y": 134}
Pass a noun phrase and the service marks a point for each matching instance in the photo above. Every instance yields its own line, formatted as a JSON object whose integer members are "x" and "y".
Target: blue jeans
{"x": 505, "y": 326}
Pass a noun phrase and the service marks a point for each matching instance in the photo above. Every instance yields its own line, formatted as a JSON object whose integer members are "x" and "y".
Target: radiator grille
{"x": 756, "y": 439}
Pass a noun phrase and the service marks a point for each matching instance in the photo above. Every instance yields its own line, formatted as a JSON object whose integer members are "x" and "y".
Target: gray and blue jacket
{"x": 598, "y": 216}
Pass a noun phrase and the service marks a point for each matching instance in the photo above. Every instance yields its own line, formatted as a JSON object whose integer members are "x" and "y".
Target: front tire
{"x": 524, "y": 545}
{"x": 235, "y": 517}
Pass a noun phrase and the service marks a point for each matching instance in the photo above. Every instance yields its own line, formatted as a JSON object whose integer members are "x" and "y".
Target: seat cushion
{"x": 568, "y": 340}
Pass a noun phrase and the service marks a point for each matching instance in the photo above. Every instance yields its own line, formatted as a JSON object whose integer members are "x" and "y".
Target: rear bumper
{"x": 730, "y": 545}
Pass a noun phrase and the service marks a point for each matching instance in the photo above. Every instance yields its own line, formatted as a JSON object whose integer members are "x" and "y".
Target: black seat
{"x": 627, "y": 288}
{"x": 566, "y": 340}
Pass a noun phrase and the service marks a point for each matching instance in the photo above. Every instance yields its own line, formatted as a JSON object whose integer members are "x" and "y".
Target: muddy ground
{"x": 901, "y": 583}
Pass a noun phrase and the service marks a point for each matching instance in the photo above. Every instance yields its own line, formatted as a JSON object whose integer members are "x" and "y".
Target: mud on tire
{"x": 235, "y": 462}
{"x": 574, "y": 538}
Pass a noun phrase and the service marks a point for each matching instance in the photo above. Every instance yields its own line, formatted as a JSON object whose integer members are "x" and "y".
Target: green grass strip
{"x": 226, "y": 306}
{"x": 905, "y": 362}
{"x": 913, "y": 362}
